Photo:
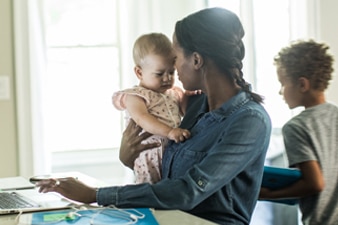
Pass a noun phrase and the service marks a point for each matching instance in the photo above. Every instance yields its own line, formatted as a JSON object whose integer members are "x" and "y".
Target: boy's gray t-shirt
{"x": 312, "y": 135}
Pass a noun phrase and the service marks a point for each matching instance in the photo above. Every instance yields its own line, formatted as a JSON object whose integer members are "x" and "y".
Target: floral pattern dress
{"x": 166, "y": 108}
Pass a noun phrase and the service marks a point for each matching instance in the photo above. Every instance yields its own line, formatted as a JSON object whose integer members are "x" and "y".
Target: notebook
{"x": 24, "y": 197}
{"x": 278, "y": 177}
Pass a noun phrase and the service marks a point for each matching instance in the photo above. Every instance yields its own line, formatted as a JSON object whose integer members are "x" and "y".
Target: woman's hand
{"x": 70, "y": 188}
{"x": 131, "y": 146}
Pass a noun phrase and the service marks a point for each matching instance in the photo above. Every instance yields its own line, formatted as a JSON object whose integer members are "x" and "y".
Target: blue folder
{"x": 85, "y": 217}
{"x": 278, "y": 177}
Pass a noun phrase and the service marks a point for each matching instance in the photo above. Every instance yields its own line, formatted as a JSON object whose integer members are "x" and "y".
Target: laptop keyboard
{"x": 13, "y": 201}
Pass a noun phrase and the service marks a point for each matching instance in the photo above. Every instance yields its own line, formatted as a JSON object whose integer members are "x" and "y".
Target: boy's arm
{"x": 311, "y": 183}
{"x": 139, "y": 113}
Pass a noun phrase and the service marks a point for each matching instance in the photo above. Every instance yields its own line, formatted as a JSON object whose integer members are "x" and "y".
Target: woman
{"x": 216, "y": 174}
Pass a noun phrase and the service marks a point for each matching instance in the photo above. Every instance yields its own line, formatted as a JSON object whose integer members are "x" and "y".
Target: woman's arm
{"x": 222, "y": 163}
{"x": 192, "y": 179}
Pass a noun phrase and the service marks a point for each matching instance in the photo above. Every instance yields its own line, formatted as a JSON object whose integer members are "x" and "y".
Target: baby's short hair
{"x": 152, "y": 43}
{"x": 307, "y": 59}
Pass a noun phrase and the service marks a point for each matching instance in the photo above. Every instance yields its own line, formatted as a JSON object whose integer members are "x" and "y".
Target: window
{"x": 83, "y": 70}
{"x": 84, "y": 47}
{"x": 88, "y": 57}
{"x": 269, "y": 26}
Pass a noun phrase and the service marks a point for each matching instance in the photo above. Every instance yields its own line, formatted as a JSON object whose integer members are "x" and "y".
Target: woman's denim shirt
{"x": 216, "y": 174}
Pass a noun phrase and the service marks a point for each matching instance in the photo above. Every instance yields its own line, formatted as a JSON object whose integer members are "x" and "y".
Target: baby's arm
{"x": 139, "y": 113}
{"x": 185, "y": 99}
{"x": 183, "y": 96}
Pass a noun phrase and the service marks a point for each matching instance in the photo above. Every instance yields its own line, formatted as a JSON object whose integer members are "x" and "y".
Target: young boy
{"x": 155, "y": 104}
{"x": 304, "y": 70}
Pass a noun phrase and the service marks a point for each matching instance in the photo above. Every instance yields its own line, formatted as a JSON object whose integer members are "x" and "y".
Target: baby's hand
{"x": 191, "y": 93}
{"x": 178, "y": 134}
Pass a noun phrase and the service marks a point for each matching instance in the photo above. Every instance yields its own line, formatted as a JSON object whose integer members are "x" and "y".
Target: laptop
{"x": 18, "y": 195}
{"x": 279, "y": 177}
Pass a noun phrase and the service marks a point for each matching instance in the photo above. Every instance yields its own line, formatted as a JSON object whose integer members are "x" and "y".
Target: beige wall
{"x": 328, "y": 34}
{"x": 8, "y": 132}
{"x": 8, "y": 136}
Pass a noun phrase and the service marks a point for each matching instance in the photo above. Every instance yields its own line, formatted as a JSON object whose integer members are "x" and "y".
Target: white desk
{"x": 164, "y": 217}
{"x": 171, "y": 217}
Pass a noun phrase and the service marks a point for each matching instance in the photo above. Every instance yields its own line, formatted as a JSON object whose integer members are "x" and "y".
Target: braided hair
{"x": 216, "y": 33}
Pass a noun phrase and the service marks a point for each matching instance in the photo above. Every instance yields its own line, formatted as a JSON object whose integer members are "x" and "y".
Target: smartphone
{"x": 38, "y": 178}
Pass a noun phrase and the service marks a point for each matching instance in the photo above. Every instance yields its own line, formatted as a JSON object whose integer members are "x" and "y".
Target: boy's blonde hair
{"x": 152, "y": 43}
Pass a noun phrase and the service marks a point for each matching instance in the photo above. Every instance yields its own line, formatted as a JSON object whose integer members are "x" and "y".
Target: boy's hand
{"x": 264, "y": 193}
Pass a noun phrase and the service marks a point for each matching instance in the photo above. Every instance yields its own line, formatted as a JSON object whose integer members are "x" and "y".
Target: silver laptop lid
{"x": 34, "y": 201}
